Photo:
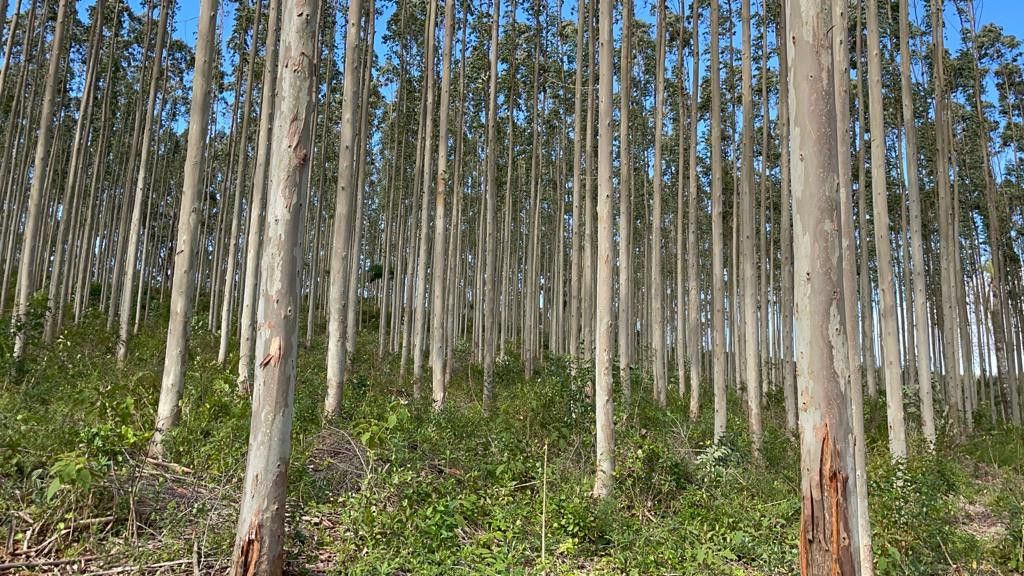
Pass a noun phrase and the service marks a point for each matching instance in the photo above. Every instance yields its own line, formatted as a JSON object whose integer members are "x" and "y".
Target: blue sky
{"x": 1007, "y": 13}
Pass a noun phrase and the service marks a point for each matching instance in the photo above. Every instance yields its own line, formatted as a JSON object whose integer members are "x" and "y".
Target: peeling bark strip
{"x": 825, "y": 521}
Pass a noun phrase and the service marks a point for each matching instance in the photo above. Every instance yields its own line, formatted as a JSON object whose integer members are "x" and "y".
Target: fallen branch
{"x": 41, "y": 563}
{"x": 122, "y": 569}
{"x": 176, "y": 468}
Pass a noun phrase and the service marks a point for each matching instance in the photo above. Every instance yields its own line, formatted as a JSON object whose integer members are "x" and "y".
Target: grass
{"x": 393, "y": 488}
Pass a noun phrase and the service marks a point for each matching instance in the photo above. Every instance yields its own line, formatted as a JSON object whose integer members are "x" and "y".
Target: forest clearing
{"x": 475, "y": 287}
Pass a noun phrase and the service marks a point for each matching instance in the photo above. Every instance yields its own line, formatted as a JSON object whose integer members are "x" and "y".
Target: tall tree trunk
{"x": 786, "y": 233}
{"x": 923, "y": 351}
{"x": 26, "y": 268}
{"x": 625, "y": 326}
{"x": 693, "y": 274}
{"x": 342, "y": 233}
{"x": 131, "y": 254}
{"x": 841, "y": 67}
{"x": 948, "y": 244}
{"x": 883, "y": 246}
{"x": 748, "y": 272}
{"x": 437, "y": 291}
{"x": 603, "y": 333}
{"x": 259, "y": 543}
{"x": 717, "y": 281}
{"x": 829, "y": 499}
{"x": 189, "y": 214}
{"x": 490, "y": 282}
{"x": 655, "y": 284}
{"x": 240, "y": 186}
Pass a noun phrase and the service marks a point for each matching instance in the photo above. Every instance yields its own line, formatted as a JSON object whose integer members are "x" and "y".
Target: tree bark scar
{"x": 273, "y": 357}
{"x": 824, "y": 525}
{"x": 250, "y": 552}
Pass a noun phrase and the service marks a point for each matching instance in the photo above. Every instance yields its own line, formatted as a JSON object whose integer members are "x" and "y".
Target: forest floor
{"x": 393, "y": 488}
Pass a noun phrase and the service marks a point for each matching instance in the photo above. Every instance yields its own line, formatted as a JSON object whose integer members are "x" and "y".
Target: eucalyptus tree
{"x": 342, "y": 243}
{"x": 259, "y": 541}
{"x": 490, "y": 284}
{"x": 625, "y": 325}
{"x": 260, "y": 176}
{"x": 883, "y": 249}
{"x": 829, "y": 504}
{"x": 655, "y": 283}
{"x": 240, "y": 185}
{"x": 691, "y": 234}
{"x": 29, "y": 246}
{"x": 717, "y": 281}
{"x": 146, "y": 148}
{"x": 604, "y": 346}
{"x": 437, "y": 290}
{"x": 184, "y": 280}
{"x": 921, "y": 340}
{"x": 748, "y": 274}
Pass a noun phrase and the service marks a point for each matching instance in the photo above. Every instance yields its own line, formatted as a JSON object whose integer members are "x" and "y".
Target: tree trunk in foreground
{"x": 826, "y": 437}
{"x": 260, "y": 538}
{"x": 604, "y": 344}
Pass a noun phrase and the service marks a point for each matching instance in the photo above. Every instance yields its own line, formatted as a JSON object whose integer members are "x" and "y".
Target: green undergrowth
{"x": 391, "y": 487}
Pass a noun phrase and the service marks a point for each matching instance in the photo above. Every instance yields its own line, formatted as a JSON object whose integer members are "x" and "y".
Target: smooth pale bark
{"x": 342, "y": 233}
{"x": 717, "y": 281}
{"x": 867, "y": 315}
{"x": 1000, "y": 312}
{"x": 923, "y": 348}
{"x": 189, "y": 215}
{"x": 786, "y": 233}
{"x": 576, "y": 255}
{"x": 146, "y": 148}
{"x": 752, "y": 374}
{"x": 655, "y": 285}
{"x": 420, "y": 281}
{"x": 691, "y": 232}
{"x": 883, "y": 250}
{"x": 240, "y": 188}
{"x": 841, "y": 59}
{"x": 829, "y": 504}
{"x": 29, "y": 246}
{"x": 437, "y": 291}
{"x": 259, "y": 543}
{"x": 352, "y": 292}
{"x": 604, "y": 344}
{"x": 55, "y": 296}
{"x": 490, "y": 282}
{"x": 260, "y": 175}
{"x": 625, "y": 326}
{"x": 948, "y": 244}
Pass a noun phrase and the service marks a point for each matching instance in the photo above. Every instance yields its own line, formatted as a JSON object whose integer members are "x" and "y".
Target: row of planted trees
{"x": 825, "y": 207}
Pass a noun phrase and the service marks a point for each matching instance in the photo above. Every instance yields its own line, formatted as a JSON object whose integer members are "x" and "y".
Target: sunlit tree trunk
{"x": 259, "y": 543}
{"x": 717, "y": 287}
{"x": 923, "y": 352}
{"x": 342, "y": 233}
{"x": 437, "y": 291}
{"x": 883, "y": 246}
{"x": 748, "y": 272}
{"x": 604, "y": 336}
{"x": 693, "y": 274}
{"x": 829, "y": 504}
{"x": 490, "y": 282}
{"x": 786, "y": 232}
{"x": 655, "y": 284}
{"x": 146, "y": 147}
{"x": 189, "y": 215}
{"x": 29, "y": 247}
